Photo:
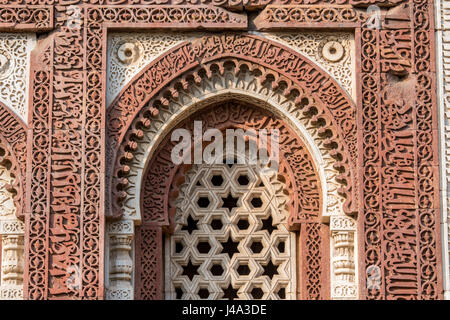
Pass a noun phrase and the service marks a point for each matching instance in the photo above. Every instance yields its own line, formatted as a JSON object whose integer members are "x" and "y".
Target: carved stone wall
{"x": 332, "y": 51}
{"x": 129, "y": 53}
{"x": 78, "y": 151}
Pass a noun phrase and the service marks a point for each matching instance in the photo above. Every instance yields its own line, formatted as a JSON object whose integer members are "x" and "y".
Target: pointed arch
{"x": 297, "y": 171}
{"x": 159, "y": 97}
{"x": 333, "y": 111}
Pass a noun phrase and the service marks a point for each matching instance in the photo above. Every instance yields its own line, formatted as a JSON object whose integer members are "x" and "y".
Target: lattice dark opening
{"x": 203, "y": 293}
{"x": 267, "y": 225}
{"x": 270, "y": 269}
{"x": 243, "y": 224}
{"x": 216, "y": 270}
{"x": 191, "y": 225}
{"x": 230, "y": 247}
{"x": 243, "y": 270}
{"x": 203, "y": 202}
{"x": 243, "y": 180}
{"x": 203, "y": 247}
{"x": 256, "y": 202}
{"x": 216, "y": 224}
{"x": 257, "y": 293}
{"x": 281, "y": 247}
{"x": 230, "y": 293}
{"x": 217, "y": 180}
{"x": 282, "y": 293}
{"x": 256, "y": 246}
{"x": 178, "y": 293}
{"x": 190, "y": 270}
{"x": 230, "y": 202}
{"x": 178, "y": 246}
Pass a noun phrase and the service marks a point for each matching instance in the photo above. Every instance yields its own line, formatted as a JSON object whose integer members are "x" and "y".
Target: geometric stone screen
{"x": 230, "y": 241}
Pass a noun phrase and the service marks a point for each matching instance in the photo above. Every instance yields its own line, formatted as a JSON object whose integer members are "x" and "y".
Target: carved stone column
{"x": 343, "y": 260}
{"x": 119, "y": 275}
{"x": 11, "y": 285}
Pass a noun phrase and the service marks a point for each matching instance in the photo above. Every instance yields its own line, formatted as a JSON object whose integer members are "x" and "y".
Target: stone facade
{"x": 92, "y": 206}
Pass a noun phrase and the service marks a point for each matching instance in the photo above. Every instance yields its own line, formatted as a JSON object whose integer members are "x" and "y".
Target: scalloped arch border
{"x": 150, "y": 89}
{"x": 246, "y": 116}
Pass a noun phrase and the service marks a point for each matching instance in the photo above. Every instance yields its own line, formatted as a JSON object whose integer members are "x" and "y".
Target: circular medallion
{"x": 129, "y": 52}
{"x": 333, "y": 51}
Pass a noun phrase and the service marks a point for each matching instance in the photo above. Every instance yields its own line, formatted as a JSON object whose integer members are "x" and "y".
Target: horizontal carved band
{"x": 26, "y": 18}
{"x": 285, "y": 17}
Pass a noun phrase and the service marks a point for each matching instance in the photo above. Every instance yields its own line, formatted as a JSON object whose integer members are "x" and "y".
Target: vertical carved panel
{"x": 371, "y": 160}
{"x": 94, "y": 160}
{"x": 401, "y": 211}
{"x": 36, "y": 229}
{"x": 427, "y": 156}
{"x": 149, "y": 266}
{"x": 65, "y": 224}
{"x": 443, "y": 88}
{"x": 65, "y": 220}
{"x": 11, "y": 239}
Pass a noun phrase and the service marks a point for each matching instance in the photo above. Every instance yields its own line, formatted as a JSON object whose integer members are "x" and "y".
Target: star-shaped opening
{"x": 230, "y": 293}
{"x": 267, "y": 225}
{"x": 230, "y": 202}
{"x": 191, "y": 225}
{"x": 190, "y": 270}
{"x": 270, "y": 270}
{"x": 230, "y": 247}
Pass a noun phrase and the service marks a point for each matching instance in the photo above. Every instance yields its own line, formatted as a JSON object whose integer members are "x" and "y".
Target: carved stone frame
{"x": 396, "y": 73}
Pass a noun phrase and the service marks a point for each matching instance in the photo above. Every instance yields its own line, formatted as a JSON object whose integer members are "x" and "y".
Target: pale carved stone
{"x": 12, "y": 241}
{"x": 343, "y": 262}
{"x": 120, "y": 262}
{"x": 142, "y": 48}
{"x": 255, "y": 225}
{"x": 128, "y": 53}
{"x": 333, "y": 51}
{"x": 15, "y": 51}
